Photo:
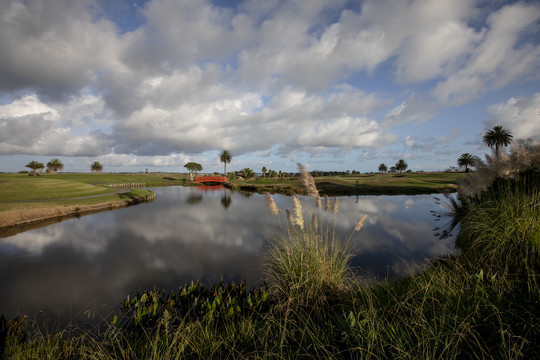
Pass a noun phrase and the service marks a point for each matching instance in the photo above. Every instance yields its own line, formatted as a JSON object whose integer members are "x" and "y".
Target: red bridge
{"x": 211, "y": 179}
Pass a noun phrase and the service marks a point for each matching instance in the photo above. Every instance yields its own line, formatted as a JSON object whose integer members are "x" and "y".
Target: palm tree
{"x": 54, "y": 165}
{"x": 41, "y": 167}
{"x": 34, "y": 165}
{"x": 247, "y": 173}
{"x": 225, "y": 157}
{"x": 497, "y": 137}
{"x": 97, "y": 167}
{"x": 466, "y": 160}
{"x": 383, "y": 168}
{"x": 264, "y": 170}
{"x": 401, "y": 165}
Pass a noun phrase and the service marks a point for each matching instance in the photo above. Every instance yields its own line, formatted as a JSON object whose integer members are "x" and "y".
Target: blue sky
{"x": 335, "y": 85}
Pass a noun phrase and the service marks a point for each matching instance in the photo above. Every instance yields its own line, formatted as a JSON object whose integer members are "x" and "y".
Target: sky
{"x": 335, "y": 85}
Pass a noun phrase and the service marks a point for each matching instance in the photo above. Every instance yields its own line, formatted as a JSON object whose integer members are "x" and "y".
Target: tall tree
{"x": 225, "y": 157}
{"x": 383, "y": 168}
{"x": 264, "y": 170}
{"x": 497, "y": 137}
{"x": 33, "y": 165}
{"x": 193, "y": 167}
{"x": 96, "y": 166}
{"x": 401, "y": 166}
{"x": 466, "y": 160}
{"x": 54, "y": 165}
{"x": 41, "y": 167}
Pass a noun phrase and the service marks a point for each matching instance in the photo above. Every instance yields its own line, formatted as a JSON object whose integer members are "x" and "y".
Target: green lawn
{"x": 21, "y": 187}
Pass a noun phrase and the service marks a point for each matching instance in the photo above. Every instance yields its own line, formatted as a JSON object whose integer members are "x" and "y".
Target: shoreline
{"x": 332, "y": 189}
{"x": 19, "y": 220}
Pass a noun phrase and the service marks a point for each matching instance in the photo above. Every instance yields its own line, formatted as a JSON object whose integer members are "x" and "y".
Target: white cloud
{"x": 502, "y": 56}
{"x": 53, "y": 47}
{"x": 345, "y": 131}
{"x": 414, "y": 109}
{"x": 30, "y": 126}
{"x": 519, "y": 115}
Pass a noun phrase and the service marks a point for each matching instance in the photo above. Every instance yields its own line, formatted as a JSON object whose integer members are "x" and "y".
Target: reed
{"x": 307, "y": 266}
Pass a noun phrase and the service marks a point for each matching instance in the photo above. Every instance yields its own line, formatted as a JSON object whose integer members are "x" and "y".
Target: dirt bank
{"x": 17, "y": 218}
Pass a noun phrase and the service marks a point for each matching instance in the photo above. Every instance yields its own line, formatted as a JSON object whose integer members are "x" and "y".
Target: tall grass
{"x": 480, "y": 304}
{"x": 307, "y": 263}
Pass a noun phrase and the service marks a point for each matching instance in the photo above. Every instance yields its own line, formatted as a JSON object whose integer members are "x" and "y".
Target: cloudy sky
{"x": 336, "y": 85}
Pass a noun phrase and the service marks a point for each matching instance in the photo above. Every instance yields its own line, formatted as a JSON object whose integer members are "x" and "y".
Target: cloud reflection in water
{"x": 95, "y": 261}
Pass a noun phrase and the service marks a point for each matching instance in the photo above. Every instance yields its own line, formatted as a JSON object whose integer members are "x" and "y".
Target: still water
{"x": 187, "y": 233}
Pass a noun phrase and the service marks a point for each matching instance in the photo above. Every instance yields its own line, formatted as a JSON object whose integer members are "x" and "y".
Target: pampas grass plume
{"x": 271, "y": 204}
{"x": 335, "y": 206}
{"x": 360, "y": 223}
{"x": 297, "y": 208}
{"x": 308, "y": 181}
{"x": 326, "y": 203}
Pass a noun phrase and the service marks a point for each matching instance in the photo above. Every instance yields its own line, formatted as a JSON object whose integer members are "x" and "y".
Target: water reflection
{"x": 188, "y": 234}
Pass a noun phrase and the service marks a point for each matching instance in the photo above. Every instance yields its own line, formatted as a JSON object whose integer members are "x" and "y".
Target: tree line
{"x": 56, "y": 165}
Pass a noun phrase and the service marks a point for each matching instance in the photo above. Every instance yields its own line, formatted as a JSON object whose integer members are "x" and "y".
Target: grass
{"x": 28, "y": 199}
{"x": 483, "y": 303}
{"x": 363, "y": 184}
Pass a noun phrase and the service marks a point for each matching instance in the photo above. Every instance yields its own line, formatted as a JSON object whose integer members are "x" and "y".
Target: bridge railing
{"x": 213, "y": 179}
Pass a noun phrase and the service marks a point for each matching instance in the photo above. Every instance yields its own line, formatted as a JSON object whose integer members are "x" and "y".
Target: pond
{"x": 191, "y": 234}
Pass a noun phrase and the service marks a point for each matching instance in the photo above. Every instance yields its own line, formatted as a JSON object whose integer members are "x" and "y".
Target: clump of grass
{"x": 307, "y": 265}
{"x": 498, "y": 211}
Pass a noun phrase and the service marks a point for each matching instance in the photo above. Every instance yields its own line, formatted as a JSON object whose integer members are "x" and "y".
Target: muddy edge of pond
{"x": 12, "y": 221}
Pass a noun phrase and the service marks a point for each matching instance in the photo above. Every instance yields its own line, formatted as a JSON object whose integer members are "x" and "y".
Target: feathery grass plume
{"x": 289, "y": 217}
{"x": 318, "y": 201}
{"x": 308, "y": 181}
{"x": 335, "y": 206}
{"x": 360, "y": 223}
{"x": 327, "y": 205}
{"x": 297, "y": 208}
{"x": 314, "y": 222}
{"x": 271, "y": 204}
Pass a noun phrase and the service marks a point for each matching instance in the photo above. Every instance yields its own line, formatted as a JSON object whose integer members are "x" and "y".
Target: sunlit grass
{"x": 479, "y": 304}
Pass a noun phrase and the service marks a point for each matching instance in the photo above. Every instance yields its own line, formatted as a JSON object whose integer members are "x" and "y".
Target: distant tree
{"x": 225, "y": 157}
{"x": 383, "y": 168}
{"x": 497, "y": 137}
{"x": 264, "y": 170}
{"x": 54, "y": 165}
{"x": 393, "y": 169}
{"x": 97, "y": 167}
{"x": 401, "y": 166}
{"x": 34, "y": 166}
{"x": 246, "y": 173}
{"x": 466, "y": 160}
{"x": 41, "y": 167}
{"x": 193, "y": 167}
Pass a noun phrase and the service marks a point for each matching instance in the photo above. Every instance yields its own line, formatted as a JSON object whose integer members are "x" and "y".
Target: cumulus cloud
{"x": 519, "y": 115}
{"x": 504, "y": 55}
{"x": 279, "y": 77}
{"x": 53, "y": 47}
{"x": 29, "y": 126}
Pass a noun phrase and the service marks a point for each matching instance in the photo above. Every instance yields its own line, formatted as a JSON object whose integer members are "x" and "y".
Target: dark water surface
{"x": 188, "y": 233}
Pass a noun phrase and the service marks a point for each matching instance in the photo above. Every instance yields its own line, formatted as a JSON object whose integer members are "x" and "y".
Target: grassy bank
{"x": 30, "y": 199}
{"x": 483, "y": 303}
{"x": 362, "y": 184}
